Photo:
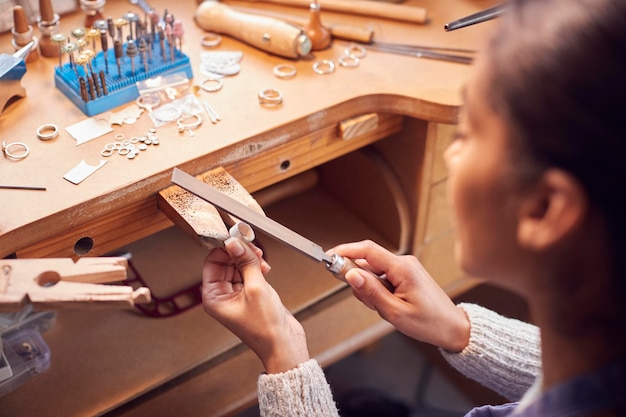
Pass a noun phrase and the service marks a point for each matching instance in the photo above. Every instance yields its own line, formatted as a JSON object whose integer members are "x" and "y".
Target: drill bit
{"x": 143, "y": 50}
{"x": 119, "y": 52}
{"x": 103, "y": 82}
{"x": 131, "y": 52}
{"x": 111, "y": 27}
{"x": 104, "y": 44}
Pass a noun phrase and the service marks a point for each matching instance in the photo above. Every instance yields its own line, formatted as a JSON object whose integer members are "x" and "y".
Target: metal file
{"x": 336, "y": 264}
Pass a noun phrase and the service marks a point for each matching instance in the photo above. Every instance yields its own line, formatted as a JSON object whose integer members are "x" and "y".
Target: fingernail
{"x": 234, "y": 246}
{"x": 355, "y": 280}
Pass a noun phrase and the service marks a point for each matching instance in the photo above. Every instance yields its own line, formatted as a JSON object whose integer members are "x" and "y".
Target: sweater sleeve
{"x": 299, "y": 392}
{"x": 503, "y": 354}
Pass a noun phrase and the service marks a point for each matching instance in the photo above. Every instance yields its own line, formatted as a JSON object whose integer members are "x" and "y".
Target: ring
{"x": 285, "y": 71}
{"x": 326, "y": 66}
{"x": 47, "y": 132}
{"x": 243, "y": 231}
{"x": 270, "y": 97}
{"x": 217, "y": 85}
{"x": 166, "y": 114}
{"x": 349, "y": 61}
{"x": 210, "y": 40}
{"x": 6, "y": 149}
{"x": 356, "y": 50}
{"x": 182, "y": 126}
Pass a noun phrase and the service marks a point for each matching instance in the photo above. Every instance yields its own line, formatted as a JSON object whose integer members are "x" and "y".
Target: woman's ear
{"x": 550, "y": 212}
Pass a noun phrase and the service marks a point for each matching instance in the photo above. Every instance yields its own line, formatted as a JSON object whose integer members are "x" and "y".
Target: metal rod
{"x": 22, "y": 187}
{"x": 423, "y": 53}
{"x": 411, "y": 48}
{"x": 479, "y": 17}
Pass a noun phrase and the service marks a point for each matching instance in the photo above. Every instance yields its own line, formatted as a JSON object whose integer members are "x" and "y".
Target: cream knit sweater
{"x": 503, "y": 354}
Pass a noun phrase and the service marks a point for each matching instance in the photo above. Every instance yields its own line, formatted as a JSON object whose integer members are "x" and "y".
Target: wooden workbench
{"x": 123, "y": 363}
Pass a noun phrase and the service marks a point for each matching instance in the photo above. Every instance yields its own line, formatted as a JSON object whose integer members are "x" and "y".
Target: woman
{"x": 536, "y": 178}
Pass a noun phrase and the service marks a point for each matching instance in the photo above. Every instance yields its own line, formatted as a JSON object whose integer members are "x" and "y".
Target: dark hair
{"x": 557, "y": 73}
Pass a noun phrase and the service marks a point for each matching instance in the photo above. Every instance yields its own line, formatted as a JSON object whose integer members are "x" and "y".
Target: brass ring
{"x": 270, "y": 97}
{"x": 47, "y": 132}
{"x": 326, "y": 66}
{"x": 217, "y": 85}
{"x": 8, "y": 152}
{"x": 285, "y": 71}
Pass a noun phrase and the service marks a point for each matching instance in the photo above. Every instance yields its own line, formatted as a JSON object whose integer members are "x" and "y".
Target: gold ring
{"x": 270, "y": 97}
{"x": 285, "y": 71}
{"x": 47, "y": 132}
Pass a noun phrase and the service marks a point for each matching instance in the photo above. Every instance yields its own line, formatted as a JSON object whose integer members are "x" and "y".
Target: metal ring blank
{"x": 349, "y": 61}
{"x": 182, "y": 126}
{"x": 52, "y": 131}
{"x": 270, "y": 97}
{"x": 211, "y": 89}
{"x": 6, "y": 149}
{"x": 356, "y": 50}
{"x": 210, "y": 40}
{"x": 326, "y": 66}
{"x": 285, "y": 71}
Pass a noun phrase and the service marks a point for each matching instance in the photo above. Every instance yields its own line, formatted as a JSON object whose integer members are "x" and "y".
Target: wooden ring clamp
{"x": 61, "y": 282}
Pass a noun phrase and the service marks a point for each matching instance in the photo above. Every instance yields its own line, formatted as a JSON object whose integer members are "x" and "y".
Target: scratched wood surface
{"x": 383, "y": 83}
{"x": 200, "y": 219}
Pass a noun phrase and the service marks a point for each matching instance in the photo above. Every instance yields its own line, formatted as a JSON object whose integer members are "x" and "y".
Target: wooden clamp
{"x": 61, "y": 282}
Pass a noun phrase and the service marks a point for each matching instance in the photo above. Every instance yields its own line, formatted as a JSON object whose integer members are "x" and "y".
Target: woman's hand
{"x": 237, "y": 295}
{"x": 418, "y": 307}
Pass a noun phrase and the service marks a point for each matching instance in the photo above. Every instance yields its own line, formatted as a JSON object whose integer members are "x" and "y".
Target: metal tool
{"x": 12, "y": 69}
{"x": 266, "y": 33}
{"x": 479, "y": 17}
{"x": 336, "y": 264}
{"x": 459, "y": 56}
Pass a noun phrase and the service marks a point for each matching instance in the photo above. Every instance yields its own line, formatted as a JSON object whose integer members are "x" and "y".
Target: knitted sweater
{"x": 503, "y": 354}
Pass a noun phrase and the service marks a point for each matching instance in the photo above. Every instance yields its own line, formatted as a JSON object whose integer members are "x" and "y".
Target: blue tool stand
{"x": 121, "y": 88}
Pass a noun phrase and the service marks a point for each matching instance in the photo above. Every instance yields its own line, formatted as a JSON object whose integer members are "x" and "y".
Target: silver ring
{"x": 217, "y": 85}
{"x": 106, "y": 152}
{"x": 166, "y": 114}
{"x": 47, "y": 132}
{"x": 285, "y": 71}
{"x": 355, "y": 50}
{"x": 8, "y": 152}
{"x": 349, "y": 61}
{"x": 326, "y": 66}
{"x": 210, "y": 40}
{"x": 270, "y": 97}
{"x": 243, "y": 231}
{"x": 119, "y": 136}
{"x": 183, "y": 126}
